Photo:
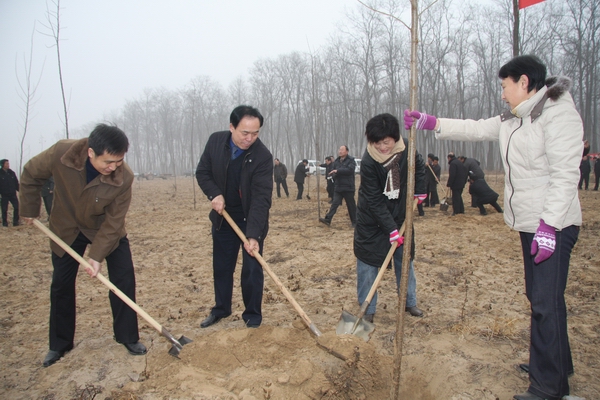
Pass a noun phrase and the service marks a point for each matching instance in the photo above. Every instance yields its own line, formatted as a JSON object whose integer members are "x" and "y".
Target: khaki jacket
{"x": 96, "y": 209}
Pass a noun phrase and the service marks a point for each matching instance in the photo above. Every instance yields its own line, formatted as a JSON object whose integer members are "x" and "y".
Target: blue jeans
{"x": 550, "y": 360}
{"x": 366, "y": 274}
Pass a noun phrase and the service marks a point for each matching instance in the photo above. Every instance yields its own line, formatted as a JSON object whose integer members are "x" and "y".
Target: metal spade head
{"x": 178, "y": 345}
{"x": 351, "y": 325}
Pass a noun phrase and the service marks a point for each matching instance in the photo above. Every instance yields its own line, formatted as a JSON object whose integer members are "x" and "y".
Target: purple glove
{"x": 420, "y": 197}
{"x": 395, "y": 237}
{"x": 424, "y": 121}
{"x": 543, "y": 243}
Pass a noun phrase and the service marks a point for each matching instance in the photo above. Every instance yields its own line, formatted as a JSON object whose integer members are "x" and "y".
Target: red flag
{"x": 527, "y": 3}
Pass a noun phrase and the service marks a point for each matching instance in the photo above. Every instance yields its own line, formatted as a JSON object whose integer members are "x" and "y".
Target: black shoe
{"x": 325, "y": 221}
{"x": 135, "y": 349}
{"x": 414, "y": 311}
{"x": 369, "y": 317}
{"x": 483, "y": 213}
{"x": 52, "y": 357}
{"x": 251, "y": 325}
{"x": 210, "y": 320}
{"x": 527, "y": 396}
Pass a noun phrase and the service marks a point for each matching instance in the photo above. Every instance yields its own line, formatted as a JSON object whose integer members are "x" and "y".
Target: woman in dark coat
{"x": 382, "y": 206}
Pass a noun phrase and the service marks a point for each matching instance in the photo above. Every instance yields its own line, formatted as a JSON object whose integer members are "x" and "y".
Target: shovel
{"x": 348, "y": 323}
{"x": 265, "y": 266}
{"x": 177, "y": 344}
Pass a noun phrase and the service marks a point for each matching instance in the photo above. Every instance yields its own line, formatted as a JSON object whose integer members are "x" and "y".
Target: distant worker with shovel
{"x": 382, "y": 208}
{"x": 235, "y": 172}
{"x": 92, "y": 193}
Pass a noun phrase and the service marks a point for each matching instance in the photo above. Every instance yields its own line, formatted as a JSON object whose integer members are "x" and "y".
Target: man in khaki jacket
{"x": 92, "y": 193}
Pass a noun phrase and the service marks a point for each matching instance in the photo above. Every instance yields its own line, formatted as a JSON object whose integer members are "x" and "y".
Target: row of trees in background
{"x": 315, "y": 102}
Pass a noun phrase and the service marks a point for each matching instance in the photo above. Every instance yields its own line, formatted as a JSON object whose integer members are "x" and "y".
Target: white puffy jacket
{"x": 541, "y": 142}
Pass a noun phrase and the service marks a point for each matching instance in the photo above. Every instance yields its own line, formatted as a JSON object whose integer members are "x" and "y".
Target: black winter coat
{"x": 300, "y": 172}
{"x": 256, "y": 185}
{"x": 344, "y": 177}
{"x": 484, "y": 193}
{"x": 377, "y": 215}
{"x": 458, "y": 174}
{"x": 9, "y": 184}
{"x": 472, "y": 165}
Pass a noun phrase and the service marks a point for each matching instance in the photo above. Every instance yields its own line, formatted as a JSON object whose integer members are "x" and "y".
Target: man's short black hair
{"x": 244, "y": 111}
{"x": 2, "y": 162}
{"x": 305, "y": 161}
{"x": 382, "y": 126}
{"x": 108, "y": 139}
{"x": 528, "y": 65}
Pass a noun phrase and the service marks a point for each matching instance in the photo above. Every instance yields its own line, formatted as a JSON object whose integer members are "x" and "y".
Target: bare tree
{"x": 27, "y": 90}
{"x": 53, "y": 20}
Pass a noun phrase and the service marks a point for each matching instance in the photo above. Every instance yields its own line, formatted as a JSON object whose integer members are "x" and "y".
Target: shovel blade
{"x": 178, "y": 345}
{"x": 351, "y": 325}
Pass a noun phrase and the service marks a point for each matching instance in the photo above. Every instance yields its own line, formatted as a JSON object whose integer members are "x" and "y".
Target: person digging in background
{"x": 299, "y": 177}
{"x": 235, "y": 172}
{"x": 457, "y": 179}
{"x": 328, "y": 165}
{"x": 541, "y": 142}
{"x": 483, "y": 194}
{"x": 92, "y": 195}
{"x": 382, "y": 208}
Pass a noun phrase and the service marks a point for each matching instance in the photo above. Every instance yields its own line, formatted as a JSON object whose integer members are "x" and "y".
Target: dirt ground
{"x": 467, "y": 346}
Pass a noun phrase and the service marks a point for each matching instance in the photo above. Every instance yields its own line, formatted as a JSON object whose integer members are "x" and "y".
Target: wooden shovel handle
{"x": 390, "y": 254}
{"x": 100, "y": 277}
{"x": 280, "y": 285}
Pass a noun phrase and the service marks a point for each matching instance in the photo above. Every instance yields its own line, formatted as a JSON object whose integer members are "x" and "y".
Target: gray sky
{"x": 112, "y": 49}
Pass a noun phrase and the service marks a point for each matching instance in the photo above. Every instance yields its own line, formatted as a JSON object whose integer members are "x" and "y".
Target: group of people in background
{"x": 585, "y": 168}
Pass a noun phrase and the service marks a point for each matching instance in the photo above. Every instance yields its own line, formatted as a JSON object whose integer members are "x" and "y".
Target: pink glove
{"x": 543, "y": 243}
{"x": 420, "y": 197}
{"x": 424, "y": 121}
{"x": 395, "y": 237}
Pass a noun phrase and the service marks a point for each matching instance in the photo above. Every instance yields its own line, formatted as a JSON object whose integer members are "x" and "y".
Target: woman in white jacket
{"x": 541, "y": 141}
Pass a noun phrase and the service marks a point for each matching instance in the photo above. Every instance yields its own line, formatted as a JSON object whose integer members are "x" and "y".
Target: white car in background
{"x": 357, "y": 168}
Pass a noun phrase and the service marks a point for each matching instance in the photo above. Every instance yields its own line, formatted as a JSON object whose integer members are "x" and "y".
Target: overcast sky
{"x": 112, "y": 49}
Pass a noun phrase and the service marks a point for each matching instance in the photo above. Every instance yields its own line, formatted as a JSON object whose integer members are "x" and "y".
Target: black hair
{"x": 305, "y": 161}
{"x": 2, "y": 162}
{"x": 382, "y": 126}
{"x": 527, "y": 65}
{"x": 244, "y": 111}
{"x": 109, "y": 139}
{"x": 435, "y": 158}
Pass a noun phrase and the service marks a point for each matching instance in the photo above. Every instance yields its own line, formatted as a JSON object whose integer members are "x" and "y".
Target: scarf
{"x": 391, "y": 165}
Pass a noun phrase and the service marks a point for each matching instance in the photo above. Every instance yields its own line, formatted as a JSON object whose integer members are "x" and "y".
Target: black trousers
{"x": 300, "y": 190}
{"x": 226, "y": 246}
{"x": 337, "y": 201}
{"x": 432, "y": 196}
{"x": 282, "y": 182}
{"x": 494, "y": 204}
{"x": 12, "y": 199}
{"x": 458, "y": 207}
{"x": 330, "y": 188}
{"x": 62, "y": 295}
{"x": 550, "y": 361}
{"x": 584, "y": 178}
